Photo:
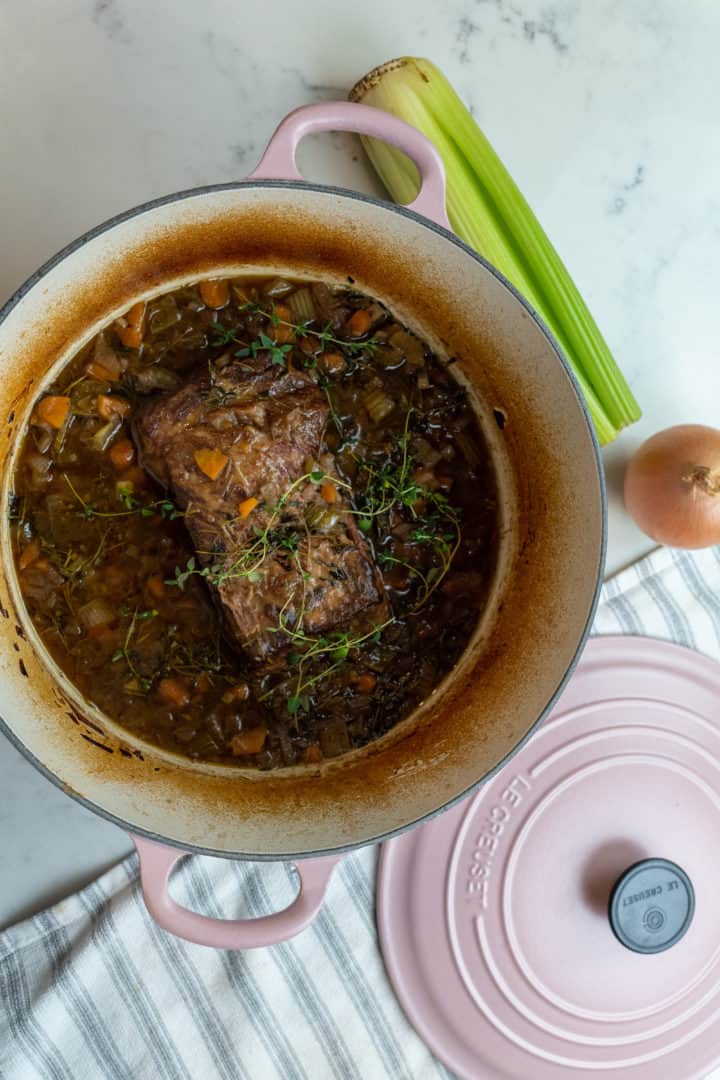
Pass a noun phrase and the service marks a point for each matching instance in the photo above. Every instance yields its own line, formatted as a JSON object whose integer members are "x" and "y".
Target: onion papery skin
{"x": 672, "y": 486}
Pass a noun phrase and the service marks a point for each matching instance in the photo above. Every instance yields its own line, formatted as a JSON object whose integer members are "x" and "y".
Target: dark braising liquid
{"x": 137, "y": 615}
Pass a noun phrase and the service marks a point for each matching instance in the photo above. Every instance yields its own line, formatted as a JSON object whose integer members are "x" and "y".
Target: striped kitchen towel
{"x": 92, "y": 989}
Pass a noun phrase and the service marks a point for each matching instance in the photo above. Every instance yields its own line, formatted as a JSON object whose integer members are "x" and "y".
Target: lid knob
{"x": 651, "y": 905}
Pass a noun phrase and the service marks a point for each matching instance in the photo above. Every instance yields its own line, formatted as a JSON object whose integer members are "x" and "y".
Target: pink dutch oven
{"x": 552, "y": 508}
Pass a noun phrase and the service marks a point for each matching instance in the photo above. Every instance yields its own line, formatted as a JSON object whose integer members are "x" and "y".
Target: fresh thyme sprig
{"x": 125, "y": 654}
{"x": 388, "y": 487}
{"x": 72, "y": 565}
{"x": 438, "y": 522}
{"x": 278, "y": 352}
{"x": 336, "y": 646}
{"x": 441, "y": 532}
{"x": 248, "y": 561}
{"x": 164, "y": 508}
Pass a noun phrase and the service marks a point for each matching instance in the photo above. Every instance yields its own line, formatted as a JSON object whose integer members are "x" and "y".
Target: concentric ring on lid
{"x": 494, "y": 917}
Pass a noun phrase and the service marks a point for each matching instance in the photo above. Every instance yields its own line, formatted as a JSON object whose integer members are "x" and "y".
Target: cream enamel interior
{"x": 550, "y": 488}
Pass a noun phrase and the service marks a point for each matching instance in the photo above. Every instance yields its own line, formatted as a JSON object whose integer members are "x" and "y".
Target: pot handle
{"x": 156, "y": 864}
{"x": 278, "y": 161}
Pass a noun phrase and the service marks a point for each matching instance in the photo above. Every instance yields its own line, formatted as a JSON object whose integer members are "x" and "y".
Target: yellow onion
{"x": 672, "y": 486}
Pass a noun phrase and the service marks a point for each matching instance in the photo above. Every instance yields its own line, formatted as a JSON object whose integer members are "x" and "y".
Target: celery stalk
{"x": 489, "y": 213}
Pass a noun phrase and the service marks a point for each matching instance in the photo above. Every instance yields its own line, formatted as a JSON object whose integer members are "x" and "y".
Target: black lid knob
{"x": 651, "y": 905}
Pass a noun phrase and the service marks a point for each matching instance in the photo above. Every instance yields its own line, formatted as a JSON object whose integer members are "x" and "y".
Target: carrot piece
{"x": 99, "y": 371}
{"x": 130, "y": 328}
{"x": 358, "y": 323}
{"x": 130, "y": 336}
{"x": 281, "y": 332}
{"x": 241, "y": 692}
{"x": 366, "y": 682}
{"x": 136, "y": 315}
{"x": 202, "y": 683}
{"x": 331, "y": 363}
{"x": 53, "y": 410}
{"x": 214, "y": 293}
{"x": 43, "y": 563}
{"x": 155, "y": 587}
{"x": 328, "y": 491}
{"x": 210, "y": 462}
{"x": 174, "y": 692}
{"x": 134, "y": 476}
{"x": 121, "y": 454}
{"x": 312, "y": 754}
{"x": 107, "y": 406}
{"x": 102, "y": 633}
{"x": 248, "y": 742}
{"x": 247, "y": 506}
{"x": 29, "y": 554}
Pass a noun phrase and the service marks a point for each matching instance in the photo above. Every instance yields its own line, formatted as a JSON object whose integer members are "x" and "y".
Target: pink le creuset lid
{"x": 565, "y": 920}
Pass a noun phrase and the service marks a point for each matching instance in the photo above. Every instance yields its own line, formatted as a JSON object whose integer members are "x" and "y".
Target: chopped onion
{"x": 156, "y": 378}
{"x": 104, "y": 435}
{"x": 194, "y": 337}
{"x": 38, "y": 467}
{"x": 327, "y": 305}
{"x": 163, "y": 314}
{"x": 410, "y": 347}
{"x": 42, "y": 436}
{"x": 279, "y": 287}
{"x": 106, "y": 356}
{"x": 376, "y": 313}
{"x": 672, "y": 486}
{"x": 426, "y": 452}
{"x": 95, "y": 613}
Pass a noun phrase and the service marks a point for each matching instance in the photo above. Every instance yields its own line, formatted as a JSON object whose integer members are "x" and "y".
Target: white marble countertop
{"x": 605, "y": 113}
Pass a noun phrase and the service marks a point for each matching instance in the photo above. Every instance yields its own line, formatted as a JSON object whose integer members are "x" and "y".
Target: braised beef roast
{"x": 269, "y": 423}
